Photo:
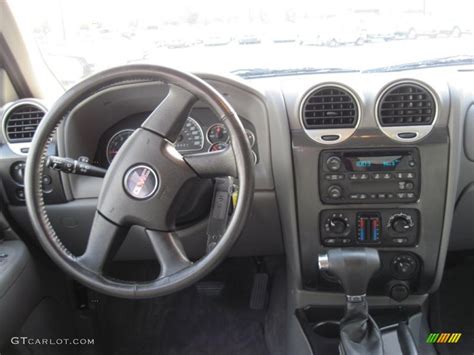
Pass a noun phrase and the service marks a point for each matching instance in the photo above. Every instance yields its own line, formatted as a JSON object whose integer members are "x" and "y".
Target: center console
{"x": 380, "y": 182}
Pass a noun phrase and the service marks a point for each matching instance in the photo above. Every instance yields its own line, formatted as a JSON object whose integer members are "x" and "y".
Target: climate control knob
{"x": 401, "y": 223}
{"x": 337, "y": 225}
{"x": 335, "y": 192}
{"x": 334, "y": 163}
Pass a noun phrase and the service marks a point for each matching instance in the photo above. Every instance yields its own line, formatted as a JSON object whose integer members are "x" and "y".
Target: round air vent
{"x": 406, "y": 111}
{"x": 330, "y": 113}
{"x": 20, "y": 122}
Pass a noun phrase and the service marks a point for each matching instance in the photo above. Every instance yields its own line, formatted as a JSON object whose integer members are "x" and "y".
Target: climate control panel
{"x": 386, "y": 227}
{"x": 369, "y": 176}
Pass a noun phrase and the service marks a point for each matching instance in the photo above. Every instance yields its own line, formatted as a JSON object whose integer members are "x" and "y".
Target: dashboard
{"x": 383, "y": 160}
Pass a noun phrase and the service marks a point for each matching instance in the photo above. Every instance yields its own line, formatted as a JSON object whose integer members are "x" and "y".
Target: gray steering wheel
{"x": 144, "y": 184}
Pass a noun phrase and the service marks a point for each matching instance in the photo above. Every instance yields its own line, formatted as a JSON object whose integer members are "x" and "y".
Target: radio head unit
{"x": 369, "y": 176}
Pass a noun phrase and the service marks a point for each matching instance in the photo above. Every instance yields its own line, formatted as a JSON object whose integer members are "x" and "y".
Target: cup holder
{"x": 327, "y": 329}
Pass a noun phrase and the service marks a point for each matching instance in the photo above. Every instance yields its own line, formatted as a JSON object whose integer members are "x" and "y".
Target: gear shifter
{"x": 354, "y": 267}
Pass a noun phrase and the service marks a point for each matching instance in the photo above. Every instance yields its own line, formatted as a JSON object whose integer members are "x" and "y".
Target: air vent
{"x": 21, "y": 122}
{"x": 406, "y": 105}
{"x": 330, "y": 107}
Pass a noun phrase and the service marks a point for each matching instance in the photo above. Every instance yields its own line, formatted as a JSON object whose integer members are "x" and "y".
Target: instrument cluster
{"x": 201, "y": 133}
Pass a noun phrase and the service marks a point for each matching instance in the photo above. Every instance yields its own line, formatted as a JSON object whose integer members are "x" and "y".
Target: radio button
{"x": 363, "y": 196}
{"x": 387, "y": 176}
{"x": 353, "y": 177}
{"x": 334, "y": 177}
{"x": 399, "y": 175}
{"x": 411, "y": 163}
{"x": 410, "y": 175}
{"x": 382, "y": 196}
{"x": 409, "y": 185}
{"x": 353, "y": 196}
{"x": 373, "y": 196}
{"x": 363, "y": 176}
{"x": 390, "y": 195}
{"x": 376, "y": 176}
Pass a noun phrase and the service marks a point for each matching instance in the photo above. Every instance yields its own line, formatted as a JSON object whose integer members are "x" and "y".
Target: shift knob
{"x": 354, "y": 267}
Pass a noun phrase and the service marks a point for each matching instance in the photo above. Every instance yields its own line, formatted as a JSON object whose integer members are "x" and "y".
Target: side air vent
{"x": 406, "y": 104}
{"x": 330, "y": 107}
{"x": 21, "y": 122}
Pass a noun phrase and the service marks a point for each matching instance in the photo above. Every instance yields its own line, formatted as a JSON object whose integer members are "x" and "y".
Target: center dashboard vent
{"x": 330, "y": 107}
{"x": 406, "y": 105}
{"x": 21, "y": 122}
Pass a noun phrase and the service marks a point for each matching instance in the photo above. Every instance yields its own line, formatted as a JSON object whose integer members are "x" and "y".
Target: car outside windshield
{"x": 249, "y": 38}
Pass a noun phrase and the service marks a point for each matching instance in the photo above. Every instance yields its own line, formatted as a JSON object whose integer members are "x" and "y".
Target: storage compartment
{"x": 321, "y": 325}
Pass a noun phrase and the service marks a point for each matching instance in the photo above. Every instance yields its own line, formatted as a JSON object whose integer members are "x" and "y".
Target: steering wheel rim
{"x": 172, "y": 173}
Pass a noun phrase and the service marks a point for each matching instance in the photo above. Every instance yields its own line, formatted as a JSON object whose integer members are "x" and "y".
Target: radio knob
{"x": 335, "y": 192}
{"x": 334, "y": 163}
{"x": 401, "y": 223}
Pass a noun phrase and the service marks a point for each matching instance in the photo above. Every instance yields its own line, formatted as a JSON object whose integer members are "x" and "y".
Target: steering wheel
{"x": 145, "y": 184}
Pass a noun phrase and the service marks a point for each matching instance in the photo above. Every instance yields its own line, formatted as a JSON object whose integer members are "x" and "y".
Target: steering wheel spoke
{"x": 104, "y": 240}
{"x": 169, "y": 252}
{"x": 169, "y": 117}
{"x": 213, "y": 164}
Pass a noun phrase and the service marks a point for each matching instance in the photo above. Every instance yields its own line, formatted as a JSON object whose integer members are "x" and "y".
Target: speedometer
{"x": 190, "y": 138}
{"x": 116, "y": 142}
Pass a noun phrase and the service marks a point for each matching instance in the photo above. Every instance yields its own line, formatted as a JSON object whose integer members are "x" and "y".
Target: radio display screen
{"x": 373, "y": 161}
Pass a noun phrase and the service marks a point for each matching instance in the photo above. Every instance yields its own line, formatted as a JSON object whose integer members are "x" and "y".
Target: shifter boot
{"x": 359, "y": 333}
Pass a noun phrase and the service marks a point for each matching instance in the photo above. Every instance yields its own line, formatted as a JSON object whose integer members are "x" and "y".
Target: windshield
{"x": 248, "y": 37}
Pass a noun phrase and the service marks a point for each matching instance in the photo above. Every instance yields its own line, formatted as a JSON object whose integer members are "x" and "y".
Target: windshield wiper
{"x": 430, "y": 63}
{"x": 265, "y": 73}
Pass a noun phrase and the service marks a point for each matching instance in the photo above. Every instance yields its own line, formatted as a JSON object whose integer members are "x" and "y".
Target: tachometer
{"x": 116, "y": 142}
{"x": 190, "y": 138}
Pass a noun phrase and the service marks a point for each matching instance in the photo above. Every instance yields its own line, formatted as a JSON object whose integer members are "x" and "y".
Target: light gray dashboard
{"x": 272, "y": 107}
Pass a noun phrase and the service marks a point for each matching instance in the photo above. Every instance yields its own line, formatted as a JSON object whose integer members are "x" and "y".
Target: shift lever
{"x": 354, "y": 267}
